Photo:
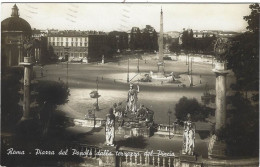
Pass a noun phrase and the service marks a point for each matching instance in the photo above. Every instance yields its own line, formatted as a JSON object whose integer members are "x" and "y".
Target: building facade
{"x": 74, "y": 45}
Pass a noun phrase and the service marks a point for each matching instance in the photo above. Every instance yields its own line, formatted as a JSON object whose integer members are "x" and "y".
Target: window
{"x": 71, "y": 43}
{"x": 67, "y": 44}
{"x": 76, "y": 44}
{"x": 61, "y": 38}
{"x": 58, "y": 38}
{"x": 61, "y": 44}
{"x": 71, "y": 39}
{"x": 66, "y": 39}
{"x": 80, "y": 44}
{"x": 53, "y": 43}
{"x": 76, "y": 39}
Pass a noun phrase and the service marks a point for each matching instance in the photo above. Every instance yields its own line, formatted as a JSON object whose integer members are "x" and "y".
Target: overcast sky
{"x": 123, "y": 16}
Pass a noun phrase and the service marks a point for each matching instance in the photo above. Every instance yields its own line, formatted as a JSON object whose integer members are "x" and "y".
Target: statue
{"x": 221, "y": 48}
{"x": 28, "y": 46}
{"x": 132, "y": 99}
{"x": 110, "y": 128}
{"x": 142, "y": 112}
{"x": 188, "y": 137}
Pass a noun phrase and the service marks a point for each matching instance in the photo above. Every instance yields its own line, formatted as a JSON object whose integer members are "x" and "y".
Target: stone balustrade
{"x": 163, "y": 130}
{"x": 143, "y": 159}
{"x": 89, "y": 122}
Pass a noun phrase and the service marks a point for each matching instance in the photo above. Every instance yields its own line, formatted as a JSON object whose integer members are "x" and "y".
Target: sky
{"x": 123, "y": 16}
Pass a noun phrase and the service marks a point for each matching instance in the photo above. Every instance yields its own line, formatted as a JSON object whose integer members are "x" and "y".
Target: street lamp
{"x": 188, "y": 65}
{"x": 97, "y": 107}
{"x": 191, "y": 79}
{"x": 128, "y": 70}
{"x": 169, "y": 114}
{"x": 138, "y": 65}
{"x": 67, "y": 57}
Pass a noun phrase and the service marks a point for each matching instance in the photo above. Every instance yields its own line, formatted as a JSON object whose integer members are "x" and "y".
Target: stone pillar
{"x": 217, "y": 148}
{"x": 10, "y": 56}
{"x": 27, "y": 82}
{"x": 220, "y": 114}
{"x": 109, "y": 158}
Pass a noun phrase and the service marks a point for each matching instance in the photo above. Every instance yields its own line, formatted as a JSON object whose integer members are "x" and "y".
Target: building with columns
{"x": 14, "y": 31}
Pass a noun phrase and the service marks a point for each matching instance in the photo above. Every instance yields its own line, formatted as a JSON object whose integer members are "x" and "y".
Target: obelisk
{"x": 160, "y": 43}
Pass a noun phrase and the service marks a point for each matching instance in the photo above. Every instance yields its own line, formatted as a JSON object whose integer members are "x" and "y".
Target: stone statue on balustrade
{"x": 28, "y": 46}
{"x": 110, "y": 128}
{"x": 132, "y": 99}
{"x": 188, "y": 137}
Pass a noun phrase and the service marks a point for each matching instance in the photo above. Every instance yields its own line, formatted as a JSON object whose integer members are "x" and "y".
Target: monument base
{"x": 108, "y": 159}
{"x": 216, "y": 149}
{"x": 186, "y": 157}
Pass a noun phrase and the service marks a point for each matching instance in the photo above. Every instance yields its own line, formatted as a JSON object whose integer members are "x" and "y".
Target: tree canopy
{"x": 190, "y": 106}
{"x": 243, "y": 56}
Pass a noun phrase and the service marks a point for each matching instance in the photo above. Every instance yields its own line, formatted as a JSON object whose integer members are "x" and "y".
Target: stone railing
{"x": 228, "y": 163}
{"x": 163, "y": 130}
{"x": 89, "y": 122}
{"x": 140, "y": 158}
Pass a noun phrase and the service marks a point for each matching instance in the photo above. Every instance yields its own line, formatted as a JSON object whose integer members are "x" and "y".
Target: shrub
{"x": 191, "y": 106}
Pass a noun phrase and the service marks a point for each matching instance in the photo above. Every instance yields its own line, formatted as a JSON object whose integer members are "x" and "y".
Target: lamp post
{"x": 67, "y": 73}
{"x": 67, "y": 57}
{"x": 191, "y": 79}
{"x": 128, "y": 70}
{"x": 188, "y": 65}
{"x": 138, "y": 65}
{"x": 169, "y": 114}
{"x": 97, "y": 107}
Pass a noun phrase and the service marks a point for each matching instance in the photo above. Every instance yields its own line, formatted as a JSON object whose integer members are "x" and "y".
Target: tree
{"x": 155, "y": 40}
{"x": 253, "y": 18}
{"x": 190, "y": 106}
{"x": 188, "y": 41}
{"x": 11, "y": 111}
{"x": 241, "y": 133}
{"x": 175, "y": 47}
{"x": 243, "y": 56}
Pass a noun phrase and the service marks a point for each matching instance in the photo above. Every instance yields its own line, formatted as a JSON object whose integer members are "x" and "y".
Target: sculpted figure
{"x": 28, "y": 46}
{"x": 132, "y": 99}
{"x": 188, "y": 137}
{"x": 110, "y": 128}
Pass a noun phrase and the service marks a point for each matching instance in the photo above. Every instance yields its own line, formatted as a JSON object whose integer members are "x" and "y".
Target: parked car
{"x": 76, "y": 59}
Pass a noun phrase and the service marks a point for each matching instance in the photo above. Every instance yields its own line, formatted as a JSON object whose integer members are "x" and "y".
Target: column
{"x": 217, "y": 148}
{"x": 27, "y": 82}
{"x": 220, "y": 114}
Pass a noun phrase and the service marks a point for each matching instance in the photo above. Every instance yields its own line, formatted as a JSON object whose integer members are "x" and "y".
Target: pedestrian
{"x": 41, "y": 71}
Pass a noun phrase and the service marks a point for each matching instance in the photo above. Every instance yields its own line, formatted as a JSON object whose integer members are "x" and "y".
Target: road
{"x": 113, "y": 87}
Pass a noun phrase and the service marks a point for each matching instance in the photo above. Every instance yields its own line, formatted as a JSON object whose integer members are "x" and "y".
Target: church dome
{"x": 15, "y": 23}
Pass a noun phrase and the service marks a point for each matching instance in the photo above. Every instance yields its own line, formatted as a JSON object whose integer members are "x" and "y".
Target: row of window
{"x": 67, "y": 39}
{"x": 67, "y": 44}
{"x": 73, "y": 54}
